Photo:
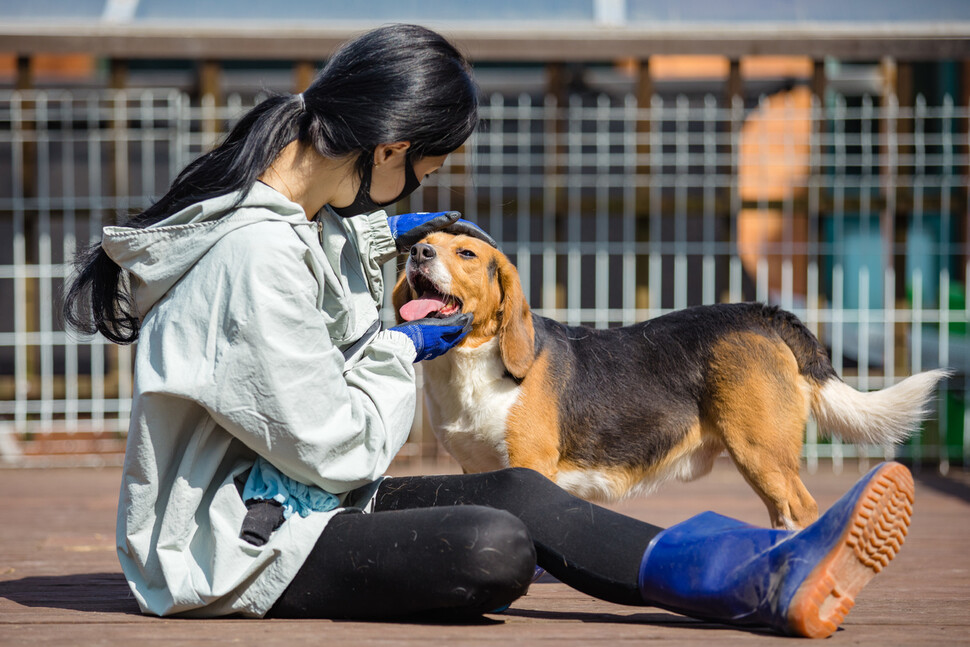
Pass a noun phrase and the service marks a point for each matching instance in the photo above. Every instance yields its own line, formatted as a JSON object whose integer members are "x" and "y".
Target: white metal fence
{"x": 852, "y": 213}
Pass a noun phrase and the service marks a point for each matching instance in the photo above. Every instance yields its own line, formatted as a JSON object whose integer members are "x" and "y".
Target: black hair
{"x": 395, "y": 83}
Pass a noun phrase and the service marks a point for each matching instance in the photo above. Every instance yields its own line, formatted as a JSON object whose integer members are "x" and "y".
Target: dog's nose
{"x": 422, "y": 252}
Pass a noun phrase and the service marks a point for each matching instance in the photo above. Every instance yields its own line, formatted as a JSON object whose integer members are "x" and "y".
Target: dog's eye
{"x": 467, "y": 253}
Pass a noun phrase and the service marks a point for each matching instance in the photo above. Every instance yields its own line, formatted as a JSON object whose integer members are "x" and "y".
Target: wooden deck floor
{"x": 60, "y": 583}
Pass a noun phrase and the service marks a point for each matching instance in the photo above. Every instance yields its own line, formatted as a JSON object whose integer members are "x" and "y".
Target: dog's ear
{"x": 400, "y": 295}
{"x": 516, "y": 336}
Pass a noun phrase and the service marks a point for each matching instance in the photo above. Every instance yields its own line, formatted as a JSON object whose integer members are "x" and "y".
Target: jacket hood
{"x": 158, "y": 256}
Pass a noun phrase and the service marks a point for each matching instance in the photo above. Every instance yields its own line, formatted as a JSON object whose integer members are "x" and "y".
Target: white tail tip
{"x": 877, "y": 417}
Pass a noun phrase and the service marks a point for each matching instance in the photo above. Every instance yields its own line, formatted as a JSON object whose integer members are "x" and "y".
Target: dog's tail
{"x": 875, "y": 417}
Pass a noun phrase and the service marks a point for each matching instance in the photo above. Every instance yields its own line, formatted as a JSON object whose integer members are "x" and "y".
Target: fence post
{"x": 734, "y": 100}
{"x": 642, "y": 133}
{"x": 210, "y": 92}
{"x": 28, "y": 221}
{"x": 303, "y": 74}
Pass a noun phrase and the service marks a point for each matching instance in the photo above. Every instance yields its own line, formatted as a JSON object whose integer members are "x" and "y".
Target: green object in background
{"x": 930, "y": 444}
{"x": 957, "y": 300}
{"x": 956, "y": 303}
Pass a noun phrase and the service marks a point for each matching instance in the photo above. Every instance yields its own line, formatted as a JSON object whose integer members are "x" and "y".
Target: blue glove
{"x": 409, "y": 228}
{"x": 432, "y": 337}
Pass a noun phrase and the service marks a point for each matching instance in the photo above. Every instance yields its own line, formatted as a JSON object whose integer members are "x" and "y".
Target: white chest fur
{"x": 469, "y": 399}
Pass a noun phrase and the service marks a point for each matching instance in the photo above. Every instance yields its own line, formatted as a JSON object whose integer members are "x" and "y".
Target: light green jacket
{"x": 245, "y": 314}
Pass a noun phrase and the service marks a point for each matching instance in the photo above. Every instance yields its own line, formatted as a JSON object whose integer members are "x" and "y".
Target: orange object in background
{"x": 666, "y": 67}
{"x": 50, "y": 67}
{"x": 773, "y": 167}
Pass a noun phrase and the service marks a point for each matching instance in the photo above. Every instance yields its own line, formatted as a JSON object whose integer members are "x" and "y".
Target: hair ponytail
{"x": 99, "y": 298}
{"x": 395, "y": 83}
{"x": 99, "y": 289}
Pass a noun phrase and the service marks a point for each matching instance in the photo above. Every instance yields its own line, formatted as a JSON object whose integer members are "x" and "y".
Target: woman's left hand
{"x": 433, "y": 337}
{"x": 409, "y": 228}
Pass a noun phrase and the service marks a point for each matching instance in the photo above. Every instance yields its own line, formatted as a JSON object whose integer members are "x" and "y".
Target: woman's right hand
{"x": 433, "y": 337}
{"x": 409, "y": 228}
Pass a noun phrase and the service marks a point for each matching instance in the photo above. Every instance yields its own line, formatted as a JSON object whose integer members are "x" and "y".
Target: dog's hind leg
{"x": 772, "y": 471}
{"x": 758, "y": 405}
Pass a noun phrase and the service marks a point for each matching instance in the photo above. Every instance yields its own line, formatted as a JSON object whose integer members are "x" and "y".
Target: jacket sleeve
{"x": 376, "y": 245}
{"x": 274, "y": 379}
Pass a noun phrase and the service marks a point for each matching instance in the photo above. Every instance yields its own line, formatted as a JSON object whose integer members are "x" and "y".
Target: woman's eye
{"x": 466, "y": 253}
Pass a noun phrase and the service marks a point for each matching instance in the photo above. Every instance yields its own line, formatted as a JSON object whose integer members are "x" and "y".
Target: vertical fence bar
{"x": 735, "y": 269}
{"x": 524, "y": 182}
{"x": 550, "y": 261}
{"x": 124, "y": 154}
{"x": 816, "y": 123}
{"x": 682, "y": 164}
{"x": 496, "y": 153}
{"x": 762, "y": 273}
{"x": 838, "y": 273}
{"x": 68, "y": 247}
{"x": 919, "y": 181}
{"x": 181, "y": 137}
{"x": 629, "y": 215}
{"x": 946, "y": 141}
{"x": 21, "y": 380}
{"x": 603, "y": 112}
{"x": 865, "y": 213}
{"x": 790, "y": 160}
{"x": 709, "y": 263}
{"x": 148, "y": 149}
{"x": 43, "y": 266}
{"x": 96, "y": 143}
{"x": 574, "y": 195}
{"x": 655, "y": 213}
{"x": 889, "y": 145}
{"x": 965, "y": 249}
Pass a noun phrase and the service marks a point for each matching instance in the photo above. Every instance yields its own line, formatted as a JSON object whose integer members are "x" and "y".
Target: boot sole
{"x": 871, "y": 539}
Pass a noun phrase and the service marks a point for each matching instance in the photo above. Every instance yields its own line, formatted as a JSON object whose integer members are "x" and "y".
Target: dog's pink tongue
{"x": 420, "y": 308}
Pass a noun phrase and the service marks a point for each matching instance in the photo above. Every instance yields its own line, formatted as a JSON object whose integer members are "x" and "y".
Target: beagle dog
{"x": 615, "y": 412}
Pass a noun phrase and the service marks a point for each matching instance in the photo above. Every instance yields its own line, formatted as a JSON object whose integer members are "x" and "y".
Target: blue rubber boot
{"x": 799, "y": 583}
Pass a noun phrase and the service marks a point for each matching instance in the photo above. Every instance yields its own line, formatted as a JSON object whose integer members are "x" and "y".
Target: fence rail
{"x": 852, "y": 212}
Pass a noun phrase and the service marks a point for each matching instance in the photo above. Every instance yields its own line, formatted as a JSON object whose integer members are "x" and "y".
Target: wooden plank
{"x": 60, "y": 582}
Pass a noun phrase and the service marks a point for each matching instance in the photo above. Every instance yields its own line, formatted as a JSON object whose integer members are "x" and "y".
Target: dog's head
{"x": 446, "y": 273}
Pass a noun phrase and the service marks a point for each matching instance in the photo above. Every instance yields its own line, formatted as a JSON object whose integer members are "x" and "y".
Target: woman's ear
{"x": 384, "y": 152}
{"x": 516, "y": 335}
{"x": 400, "y": 295}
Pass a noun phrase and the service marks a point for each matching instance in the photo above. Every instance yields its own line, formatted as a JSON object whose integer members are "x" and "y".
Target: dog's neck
{"x": 467, "y": 365}
{"x": 469, "y": 398}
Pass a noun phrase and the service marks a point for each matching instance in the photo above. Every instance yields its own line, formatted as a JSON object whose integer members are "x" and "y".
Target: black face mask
{"x": 363, "y": 203}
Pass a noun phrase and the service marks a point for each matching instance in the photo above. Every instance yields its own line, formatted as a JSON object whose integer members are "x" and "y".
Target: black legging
{"x": 461, "y": 545}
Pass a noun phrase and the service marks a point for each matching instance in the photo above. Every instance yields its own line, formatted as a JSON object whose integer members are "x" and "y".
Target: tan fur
{"x": 532, "y": 429}
{"x": 759, "y": 404}
{"x": 516, "y": 334}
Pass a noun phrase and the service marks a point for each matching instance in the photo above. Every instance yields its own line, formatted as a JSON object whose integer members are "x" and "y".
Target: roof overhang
{"x": 499, "y": 42}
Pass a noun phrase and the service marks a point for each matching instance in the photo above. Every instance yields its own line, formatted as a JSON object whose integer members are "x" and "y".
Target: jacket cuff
{"x": 401, "y": 342}
{"x": 382, "y": 245}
